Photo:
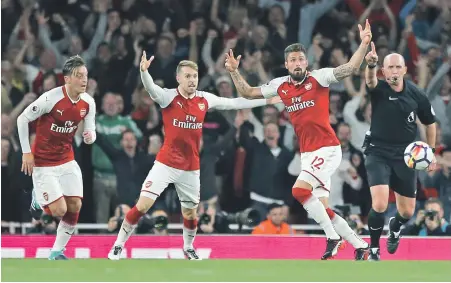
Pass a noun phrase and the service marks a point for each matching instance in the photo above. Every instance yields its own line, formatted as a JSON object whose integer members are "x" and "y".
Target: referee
{"x": 396, "y": 104}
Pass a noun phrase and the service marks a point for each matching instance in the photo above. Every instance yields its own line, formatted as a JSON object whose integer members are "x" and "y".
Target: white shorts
{"x": 187, "y": 184}
{"x": 318, "y": 166}
{"x": 53, "y": 182}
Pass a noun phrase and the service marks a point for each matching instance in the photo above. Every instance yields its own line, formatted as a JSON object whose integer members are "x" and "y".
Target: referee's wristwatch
{"x": 433, "y": 149}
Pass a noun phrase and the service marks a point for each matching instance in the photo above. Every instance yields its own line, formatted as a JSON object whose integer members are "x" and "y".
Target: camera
{"x": 430, "y": 214}
{"x": 148, "y": 222}
{"x": 249, "y": 217}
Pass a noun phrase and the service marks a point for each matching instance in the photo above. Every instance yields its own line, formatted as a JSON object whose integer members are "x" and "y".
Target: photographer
{"x": 46, "y": 224}
{"x": 152, "y": 223}
{"x": 430, "y": 221}
{"x": 212, "y": 220}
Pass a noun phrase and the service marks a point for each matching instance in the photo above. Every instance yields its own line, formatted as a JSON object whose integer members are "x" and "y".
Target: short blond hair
{"x": 187, "y": 63}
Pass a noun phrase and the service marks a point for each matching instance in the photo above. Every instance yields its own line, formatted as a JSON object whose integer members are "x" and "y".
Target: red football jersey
{"x": 308, "y": 106}
{"x": 57, "y": 117}
{"x": 183, "y": 120}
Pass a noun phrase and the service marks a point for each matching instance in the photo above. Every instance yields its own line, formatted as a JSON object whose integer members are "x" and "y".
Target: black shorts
{"x": 392, "y": 172}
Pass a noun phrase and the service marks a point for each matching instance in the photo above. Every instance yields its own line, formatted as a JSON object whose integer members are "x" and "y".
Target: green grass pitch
{"x": 222, "y": 270}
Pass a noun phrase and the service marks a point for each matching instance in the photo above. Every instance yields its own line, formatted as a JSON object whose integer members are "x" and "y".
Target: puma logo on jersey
{"x": 180, "y": 104}
{"x": 60, "y": 111}
{"x": 284, "y": 91}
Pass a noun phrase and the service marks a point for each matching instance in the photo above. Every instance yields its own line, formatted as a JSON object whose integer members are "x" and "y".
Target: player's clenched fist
{"x": 232, "y": 63}
{"x": 89, "y": 137}
{"x": 144, "y": 65}
{"x": 27, "y": 163}
{"x": 371, "y": 58}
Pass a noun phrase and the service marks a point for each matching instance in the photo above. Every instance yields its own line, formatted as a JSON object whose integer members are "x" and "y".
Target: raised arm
{"x": 371, "y": 68}
{"x": 156, "y": 92}
{"x": 356, "y": 60}
{"x": 243, "y": 88}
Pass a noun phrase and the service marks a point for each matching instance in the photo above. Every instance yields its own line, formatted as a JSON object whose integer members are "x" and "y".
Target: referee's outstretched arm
{"x": 371, "y": 67}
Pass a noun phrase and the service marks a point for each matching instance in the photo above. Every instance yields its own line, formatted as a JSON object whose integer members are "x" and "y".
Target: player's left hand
{"x": 274, "y": 100}
{"x": 365, "y": 34}
{"x": 89, "y": 137}
{"x": 232, "y": 63}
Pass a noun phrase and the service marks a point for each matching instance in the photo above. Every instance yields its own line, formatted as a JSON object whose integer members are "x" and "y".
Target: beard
{"x": 298, "y": 74}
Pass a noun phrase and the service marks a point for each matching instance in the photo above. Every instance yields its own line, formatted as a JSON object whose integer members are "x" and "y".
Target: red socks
{"x": 301, "y": 194}
{"x": 190, "y": 223}
{"x": 330, "y": 212}
{"x": 133, "y": 216}
{"x": 71, "y": 218}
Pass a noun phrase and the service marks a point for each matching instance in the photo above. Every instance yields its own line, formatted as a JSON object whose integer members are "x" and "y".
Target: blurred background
{"x": 249, "y": 158}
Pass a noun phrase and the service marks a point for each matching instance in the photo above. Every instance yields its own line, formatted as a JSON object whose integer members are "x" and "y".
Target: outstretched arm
{"x": 243, "y": 88}
{"x": 356, "y": 60}
{"x": 222, "y": 103}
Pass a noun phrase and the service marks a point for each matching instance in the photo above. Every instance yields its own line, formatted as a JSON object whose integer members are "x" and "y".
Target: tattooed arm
{"x": 354, "y": 63}
{"x": 243, "y": 88}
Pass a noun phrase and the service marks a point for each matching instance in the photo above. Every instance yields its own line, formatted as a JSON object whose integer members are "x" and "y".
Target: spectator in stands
{"x": 267, "y": 184}
{"x": 274, "y": 224}
{"x": 346, "y": 172}
{"x": 430, "y": 221}
{"x": 355, "y": 190}
{"x": 209, "y": 154}
{"x": 439, "y": 93}
{"x": 111, "y": 125}
{"x": 441, "y": 181}
{"x": 131, "y": 166}
{"x": 357, "y": 113}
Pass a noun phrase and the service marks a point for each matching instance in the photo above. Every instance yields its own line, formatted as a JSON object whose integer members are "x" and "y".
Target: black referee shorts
{"x": 394, "y": 173}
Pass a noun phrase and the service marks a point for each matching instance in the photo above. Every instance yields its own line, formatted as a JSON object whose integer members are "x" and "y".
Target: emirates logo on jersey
{"x": 69, "y": 127}
{"x": 308, "y": 86}
{"x": 82, "y": 112}
{"x": 201, "y": 106}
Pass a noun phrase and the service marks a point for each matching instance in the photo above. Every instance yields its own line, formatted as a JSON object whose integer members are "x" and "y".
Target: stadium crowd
{"x": 249, "y": 158}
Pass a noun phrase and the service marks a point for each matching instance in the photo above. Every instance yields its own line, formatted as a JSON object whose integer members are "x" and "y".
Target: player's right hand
{"x": 232, "y": 63}
{"x": 144, "y": 65}
{"x": 27, "y": 163}
{"x": 371, "y": 58}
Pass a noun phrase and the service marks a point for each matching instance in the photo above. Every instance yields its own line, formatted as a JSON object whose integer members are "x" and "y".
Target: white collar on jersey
{"x": 290, "y": 80}
{"x": 65, "y": 93}
{"x": 189, "y": 97}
